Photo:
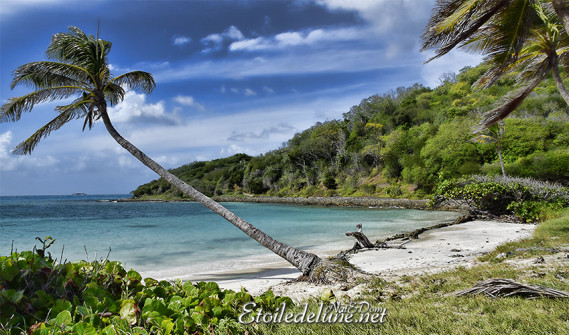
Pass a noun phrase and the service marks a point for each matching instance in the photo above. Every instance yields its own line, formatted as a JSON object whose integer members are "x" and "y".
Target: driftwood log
{"x": 362, "y": 239}
{"x": 496, "y": 288}
{"x": 364, "y": 242}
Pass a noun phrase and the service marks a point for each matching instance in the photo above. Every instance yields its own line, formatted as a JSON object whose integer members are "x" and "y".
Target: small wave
{"x": 230, "y": 239}
{"x": 141, "y": 226}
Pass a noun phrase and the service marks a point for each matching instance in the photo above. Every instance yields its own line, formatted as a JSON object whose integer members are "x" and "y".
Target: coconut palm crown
{"x": 78, "y": 67}
{"x": 514, "y": 35}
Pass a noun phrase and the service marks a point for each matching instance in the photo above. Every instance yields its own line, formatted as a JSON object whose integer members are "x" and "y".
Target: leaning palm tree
{"x": 501, "y": 29}
{"x": 78, "y": 67}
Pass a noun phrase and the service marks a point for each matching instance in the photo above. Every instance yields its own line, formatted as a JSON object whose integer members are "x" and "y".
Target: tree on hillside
{"x": 513, "y": 34}
{"x": 78, "y": 67}
{"x": 494, "y": 134}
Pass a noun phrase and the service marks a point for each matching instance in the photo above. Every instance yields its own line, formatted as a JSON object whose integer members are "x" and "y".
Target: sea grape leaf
{"x": 167, "y": 326}
{"x": 133, "y": 276}
{"x": 129, "y": 311}
{"x": 8, "y": 271}
{"x": 11, "y": 295}
{"x": 82, "y": 328}
{"x": 150, "y": 282}
{"x": 63, "y": 318}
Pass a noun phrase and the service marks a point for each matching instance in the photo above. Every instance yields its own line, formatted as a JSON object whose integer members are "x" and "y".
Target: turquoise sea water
{"x": 185, "y": 239}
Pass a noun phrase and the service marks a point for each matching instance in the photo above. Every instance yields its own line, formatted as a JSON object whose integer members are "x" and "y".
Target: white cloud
{"x": 181, "y": 40}
{"x": 387, "y": 16}
{"x": 316, "y": 61}
{"x": 11, "y": 162}
{"x": 249, "y": 92}
{"x": 297, "y": 38}
{"x": 214, "y": 42}
{"x": 398, "y": 24}
{"x": 189, "y": 101}
{"x": 213, "y": 38}
{"x": 451, "y": 62}
{"x": 268, "y": 90}
{"x": 233, "y": 33}
{"x": 134, "y": 109}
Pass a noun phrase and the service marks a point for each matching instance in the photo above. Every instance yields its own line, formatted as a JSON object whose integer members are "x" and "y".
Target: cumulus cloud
{"x": 134, "y": 109}
{"x": 181, "y": 40}
{"x": 400, "y": 23}
{"x": 214, "y": 42}
{"x": 187, "y": 100}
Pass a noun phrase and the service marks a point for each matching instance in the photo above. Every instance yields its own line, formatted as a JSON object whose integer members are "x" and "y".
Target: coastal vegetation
{"x": 41, "y": 295}
{"x": 403, "y": 143}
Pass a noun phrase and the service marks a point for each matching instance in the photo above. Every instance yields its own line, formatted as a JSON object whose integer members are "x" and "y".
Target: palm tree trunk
{"x": 558, "y": 81}
{"x": 560, "y": 7}
{"x": 499, "y": 149}
{"x": 304, "y": 261}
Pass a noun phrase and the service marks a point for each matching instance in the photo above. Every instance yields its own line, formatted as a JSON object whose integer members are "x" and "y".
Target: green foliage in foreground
{"x": 40, "y": 296}
{"x": 527, "y": 198}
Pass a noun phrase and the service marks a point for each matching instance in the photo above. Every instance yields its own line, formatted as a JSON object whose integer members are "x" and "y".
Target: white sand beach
{"x": 434, "y": 250}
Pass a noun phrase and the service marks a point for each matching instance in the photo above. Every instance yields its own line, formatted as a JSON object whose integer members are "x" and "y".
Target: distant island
{"x": 79, "y": 193}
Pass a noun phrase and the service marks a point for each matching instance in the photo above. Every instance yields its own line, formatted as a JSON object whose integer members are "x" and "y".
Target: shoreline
{"x": 435, "y": 250}
{"x": 338, "y": 201}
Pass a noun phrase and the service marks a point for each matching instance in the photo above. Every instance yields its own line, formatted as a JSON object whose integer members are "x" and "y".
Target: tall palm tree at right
{"x": 78, "y": 67}
{"x": 529, "y": 36}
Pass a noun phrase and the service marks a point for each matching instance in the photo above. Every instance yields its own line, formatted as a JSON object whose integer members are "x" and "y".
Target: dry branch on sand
{"x": 497, "y": 288}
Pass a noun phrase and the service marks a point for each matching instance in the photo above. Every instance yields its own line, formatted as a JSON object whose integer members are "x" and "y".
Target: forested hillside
{"x": 400, "y": 143}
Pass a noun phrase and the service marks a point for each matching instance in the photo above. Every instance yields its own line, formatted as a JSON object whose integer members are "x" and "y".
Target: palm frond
{"x": 462, "y": 30}
{"x": 511, "y": 101}
{"x": 449, "y": 22}
{"x": 27, "y": 146}
{"x": 13, "y": 109}
{"x": 114, "y": 93}
{"x": 136, "y": 80}
{"x": 75, "y": 47}
{"x": 48, "y": 74}
{"x": 512, "y": 28}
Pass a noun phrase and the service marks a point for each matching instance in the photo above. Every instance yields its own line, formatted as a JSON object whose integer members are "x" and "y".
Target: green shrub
{"x": 39, "y": 295}
{"x": 497, "y": 195}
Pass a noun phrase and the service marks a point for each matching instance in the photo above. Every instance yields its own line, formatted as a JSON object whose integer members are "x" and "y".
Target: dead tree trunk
{"x": 363, "y": 241}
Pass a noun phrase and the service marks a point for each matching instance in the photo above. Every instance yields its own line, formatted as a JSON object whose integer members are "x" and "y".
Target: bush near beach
{"x": 39, "y": 295}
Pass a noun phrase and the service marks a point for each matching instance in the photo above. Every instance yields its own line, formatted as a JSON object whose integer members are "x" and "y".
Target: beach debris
{"x": 539, "y": 259}
{"x": 362, "y": 239}
{"x": 498, "y": 288}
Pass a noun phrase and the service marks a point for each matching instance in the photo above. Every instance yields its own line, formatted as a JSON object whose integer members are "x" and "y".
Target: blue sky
{"x": 232, "y": 77}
